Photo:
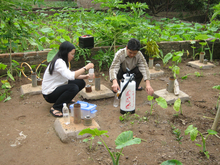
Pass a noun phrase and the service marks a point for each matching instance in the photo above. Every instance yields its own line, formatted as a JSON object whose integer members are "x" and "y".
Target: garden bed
{"x": 30, "y": 115}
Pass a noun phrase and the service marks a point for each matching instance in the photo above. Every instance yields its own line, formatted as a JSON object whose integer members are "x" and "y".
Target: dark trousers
{"x": 138, "y": 75}
{"x": 65, "y": 93}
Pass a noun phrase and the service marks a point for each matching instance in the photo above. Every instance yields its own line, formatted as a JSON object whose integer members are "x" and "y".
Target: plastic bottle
{"x": 66, "y": 115}
{"x": 91, "y": 73}
{"x": 116, "y": 100}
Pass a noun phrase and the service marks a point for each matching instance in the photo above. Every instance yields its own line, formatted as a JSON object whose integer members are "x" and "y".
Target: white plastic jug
{"x": 128, "y": 94}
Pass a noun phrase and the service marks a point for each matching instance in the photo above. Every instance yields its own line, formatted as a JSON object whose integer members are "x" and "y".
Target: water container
{"x": 71, "y": 107}
{"x": 66, "y": 116}
{"x": 87, "y": 109}
{"x": 86, "y": 41}
{"x": 128, "y": 94}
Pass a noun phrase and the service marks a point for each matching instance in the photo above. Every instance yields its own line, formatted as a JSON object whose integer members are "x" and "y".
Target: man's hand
{"x": 115, "y": 86}
{"x": 149, "y": 89}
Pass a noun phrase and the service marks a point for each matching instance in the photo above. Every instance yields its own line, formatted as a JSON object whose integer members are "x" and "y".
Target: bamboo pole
{"x": 214, "y": 126}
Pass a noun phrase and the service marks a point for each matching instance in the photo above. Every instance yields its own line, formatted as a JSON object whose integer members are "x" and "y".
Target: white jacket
{"x": 61, "y": 75}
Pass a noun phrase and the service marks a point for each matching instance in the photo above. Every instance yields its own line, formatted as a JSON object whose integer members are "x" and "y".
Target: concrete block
{"x": 170, "y": 97}
{"x": 104, "y": 92}
{"x": 68, "y": 132}
{"x": 28, "y": 89}
{"x": 154, "y": 73}
{"x": 197, "y": 64}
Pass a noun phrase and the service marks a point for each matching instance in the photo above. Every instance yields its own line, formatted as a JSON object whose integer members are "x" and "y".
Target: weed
{"x": 177, "y": 132}
{"x": 91, "y": 139}
{"x": 199, "y": 74}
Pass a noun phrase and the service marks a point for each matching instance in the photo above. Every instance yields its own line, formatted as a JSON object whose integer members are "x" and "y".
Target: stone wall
{"x": 35, "y": 58}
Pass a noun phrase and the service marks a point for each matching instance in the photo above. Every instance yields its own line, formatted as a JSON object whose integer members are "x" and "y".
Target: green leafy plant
{"x": 193, "y": 47}
{"x": 123, "y": 140}
{"x": 152, "y": 49}
{"x": 176, "y": 59}
{"x": 177, "y": 132}
{"x": 185, "y": 77}
{"x": 5, "y": 91}
{"x": 204, "y": 38}
{"x": 104, "y": 59}
{"x": 199, "y": 74}
{"x": 14, "y": 27}
{"x": 177, "y": 106}
{"x": 165, "y": 58}
{"x": 193, "y": 134}
{"x": 91, "y": 139}
{"x": 160, "y": 101}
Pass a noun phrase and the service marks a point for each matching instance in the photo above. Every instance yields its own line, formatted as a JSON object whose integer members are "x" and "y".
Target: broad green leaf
{"x": 94, "y": 132}
{"x": 172, "y": 162}
{"x": 40, "y": 48}
{"x": 216, "y": 87}
{"x": 167, "y": 57}
{"x": 161, "y": 102}
{"x": 202, "y": 37}
{"x": 2, "y": 66}
{"x": 126, "y": 139}
{"x": 10, "y": 75}
{"x": 149, "y": 97}
{"x": 7, "y": 99}
{"x": 6, "y": 85}
{"x": 212, "y": 132}
{"x": 85, "y": 140}
{"x": 67, "y": 38}
{"x": 193, "y": 132}
{"x": 51, "y": 55}
{"x": 46, "y": 30}
{"x": 32, "y": 42}
{"x": 2, "y": 97}
{"x": 14, "y": 61}
{"x": 177, "y": 105}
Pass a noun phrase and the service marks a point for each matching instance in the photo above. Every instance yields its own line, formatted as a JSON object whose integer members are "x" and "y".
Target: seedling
{"x": 123, "y": 140}
{"x": 193, "y": 47}
{"x": 91, "y": 138}
{"x": 125, "y": 117}
{"x": 198, "y": 74}
{"x": 86, "y": 140}
{"x": 185, "y": 77}
{"x": 160, "y": 101}
{"x": 177, "y": 106}
{"x": 177, "y": 132}
{"x": 193, "y": 134}
{"x": 176, "y": 59}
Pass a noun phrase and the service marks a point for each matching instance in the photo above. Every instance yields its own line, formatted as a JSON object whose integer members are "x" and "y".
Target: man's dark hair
{"x": 134, "y": 44}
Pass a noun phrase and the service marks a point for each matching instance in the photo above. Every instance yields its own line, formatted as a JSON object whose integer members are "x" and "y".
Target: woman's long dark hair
{"x": 64, "y": 49}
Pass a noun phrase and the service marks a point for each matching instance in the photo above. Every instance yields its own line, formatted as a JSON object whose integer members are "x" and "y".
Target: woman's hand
{"x": 89, "y": 66}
